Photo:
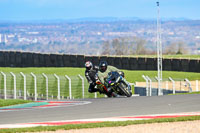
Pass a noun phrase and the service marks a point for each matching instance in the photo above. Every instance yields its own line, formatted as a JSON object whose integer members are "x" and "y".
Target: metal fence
{"x": 169, "y": 85}
{"x": 43, "y": 86}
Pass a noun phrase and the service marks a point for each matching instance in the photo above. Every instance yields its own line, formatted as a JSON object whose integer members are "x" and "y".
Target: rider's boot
{"x": 91, "y": 90}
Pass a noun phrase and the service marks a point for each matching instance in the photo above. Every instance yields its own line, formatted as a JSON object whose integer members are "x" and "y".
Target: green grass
{"x": 47, "y": 70}
{"x": 103, "y": 124}
{"x": 186, "y": 93}
{"x": 183, "y": 56}
{"x": 164, "y": 56}
{"x": 131, "y": 76}
{"x": 12, "y": 102}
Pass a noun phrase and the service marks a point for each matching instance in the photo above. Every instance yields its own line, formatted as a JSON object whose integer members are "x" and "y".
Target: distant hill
{"x": 95, "y": 19}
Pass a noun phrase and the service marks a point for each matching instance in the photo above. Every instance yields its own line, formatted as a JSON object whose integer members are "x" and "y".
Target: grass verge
{"x": 164, "y": 56}
{"x": 130, "y": 75}
{"x": 102, "y": 124}
{"x": 12, "y": 102}
{"x": 186, "y": 93}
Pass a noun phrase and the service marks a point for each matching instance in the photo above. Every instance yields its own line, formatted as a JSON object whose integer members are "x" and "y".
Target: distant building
{"x": 197, "y": 37}
{"x": 5, "y": 38}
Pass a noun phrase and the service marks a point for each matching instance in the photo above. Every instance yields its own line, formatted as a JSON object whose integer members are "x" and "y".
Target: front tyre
{"x": 126, "y": 90}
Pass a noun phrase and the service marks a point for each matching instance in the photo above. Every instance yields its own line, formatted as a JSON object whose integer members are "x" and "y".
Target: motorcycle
{"x": 116, "y": 83}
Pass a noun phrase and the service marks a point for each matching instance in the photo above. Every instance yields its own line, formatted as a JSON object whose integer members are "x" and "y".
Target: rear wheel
{"x": 126, "y": 90}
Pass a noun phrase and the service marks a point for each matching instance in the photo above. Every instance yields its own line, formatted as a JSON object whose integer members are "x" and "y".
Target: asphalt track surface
{"x": 106, "y": 107}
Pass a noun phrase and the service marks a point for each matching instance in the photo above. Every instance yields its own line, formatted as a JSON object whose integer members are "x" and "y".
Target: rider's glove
{"x": 121, "y": 73}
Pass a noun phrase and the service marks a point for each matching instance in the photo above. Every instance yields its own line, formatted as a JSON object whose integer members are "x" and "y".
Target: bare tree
{"x": 117, "y": 47}
{"x": 124, "y": 46}
{"x": 120, "y": 46}
{"x": 176, "y": 48}
{"x": 106, "y": 48}
{"x": 140, "y": 47}
{"x": 182, "y": 48}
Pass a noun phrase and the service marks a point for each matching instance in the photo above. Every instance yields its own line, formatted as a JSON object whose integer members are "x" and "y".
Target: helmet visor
{"x": 88, "y": 67}
{"x": 103, "y": 68}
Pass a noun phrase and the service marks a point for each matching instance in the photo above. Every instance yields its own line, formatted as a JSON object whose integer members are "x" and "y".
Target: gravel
{"x": 172, "y": 127}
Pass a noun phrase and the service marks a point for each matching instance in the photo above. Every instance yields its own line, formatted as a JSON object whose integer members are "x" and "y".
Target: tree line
{"x": 139, "y": 46}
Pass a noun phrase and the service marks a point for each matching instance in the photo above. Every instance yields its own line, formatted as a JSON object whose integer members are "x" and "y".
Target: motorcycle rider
{"x": 104, "y": 69}
{"x": 90, "y": 73}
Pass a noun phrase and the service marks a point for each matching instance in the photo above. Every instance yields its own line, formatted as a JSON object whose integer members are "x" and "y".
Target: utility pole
{"x": 159, "y": 50}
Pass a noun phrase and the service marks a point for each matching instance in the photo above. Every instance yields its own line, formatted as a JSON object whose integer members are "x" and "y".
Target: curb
{"x": 98, "y": 120}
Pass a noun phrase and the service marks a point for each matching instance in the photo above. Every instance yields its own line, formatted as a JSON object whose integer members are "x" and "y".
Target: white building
{"x": 5, "y": 38}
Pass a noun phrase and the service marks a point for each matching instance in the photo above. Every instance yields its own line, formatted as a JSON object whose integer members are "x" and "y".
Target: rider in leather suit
{"x": 90, "y": 73}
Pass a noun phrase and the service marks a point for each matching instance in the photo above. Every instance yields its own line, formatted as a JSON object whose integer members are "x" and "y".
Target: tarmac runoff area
{"x": 50, "y": 113}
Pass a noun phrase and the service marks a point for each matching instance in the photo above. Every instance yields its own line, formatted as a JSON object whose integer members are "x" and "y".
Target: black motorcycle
{"x": 116, "y": 83}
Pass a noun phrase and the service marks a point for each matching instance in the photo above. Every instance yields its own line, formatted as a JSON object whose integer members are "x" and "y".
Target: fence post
{"x": 173, "y": 85}
{"x": 5, "y": 94}
{"x": 147, "y": 84}
{"x": 197, "y": 85}
{"x": 35, "y": 85}
{"x": 160, "y": 92}
{"x": 24, "y": 76}
{"x": 150, "y": 83}
{"x": 82, "y": 85}
{"x": 189, "y": 84}
{"x": 157, "y": 80}
{"x": 58, "y": 80}
{"x": 14, "y": 78}
{"x": 70, "y": 87}
{"x": 47, "y": 87}
{"x": 95, "y": 95}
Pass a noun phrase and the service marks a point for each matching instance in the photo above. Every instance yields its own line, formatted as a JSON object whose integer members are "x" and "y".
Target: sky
{"x": 22, "y": 10}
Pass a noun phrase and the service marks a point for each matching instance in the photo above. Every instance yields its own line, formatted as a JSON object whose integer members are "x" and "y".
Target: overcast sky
{"x": 72, "y": 9}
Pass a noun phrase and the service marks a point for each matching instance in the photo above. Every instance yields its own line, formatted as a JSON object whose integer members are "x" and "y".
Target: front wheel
{"x": 126, "y": 90}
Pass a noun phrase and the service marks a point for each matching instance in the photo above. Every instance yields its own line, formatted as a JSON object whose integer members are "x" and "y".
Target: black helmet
{"x": 103, "y": 66}
{"x": 88, "y": 65}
